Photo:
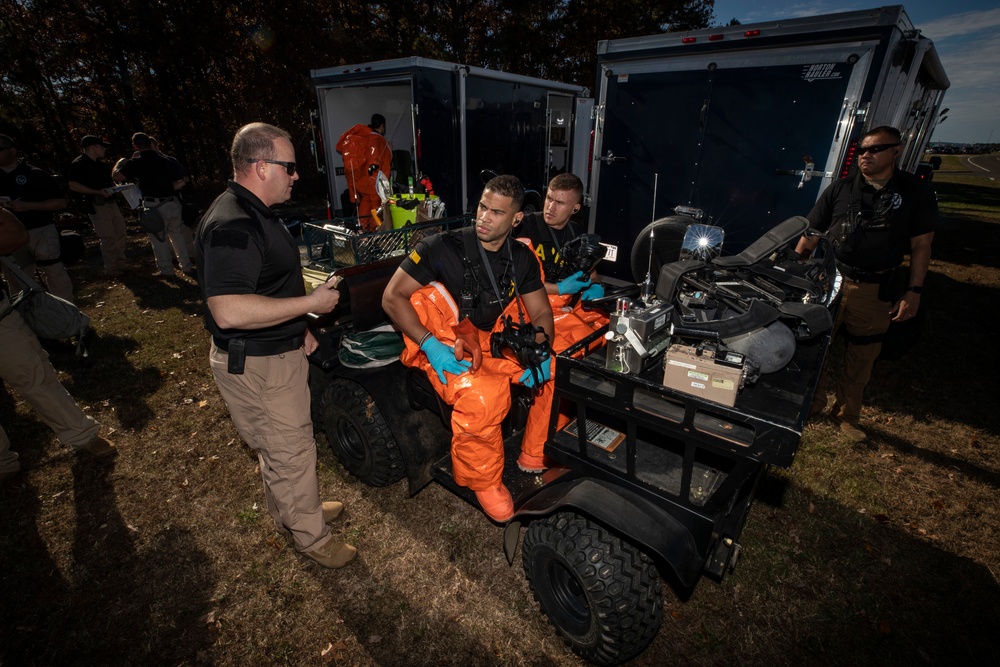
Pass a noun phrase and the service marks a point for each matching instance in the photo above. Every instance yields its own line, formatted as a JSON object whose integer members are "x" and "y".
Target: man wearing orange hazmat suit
{"x": 447, "y": 296}
{"x": 366, "y": 153}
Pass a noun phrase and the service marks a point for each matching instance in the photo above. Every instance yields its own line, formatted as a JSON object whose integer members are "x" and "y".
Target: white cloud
{"x": 961, "y": 25}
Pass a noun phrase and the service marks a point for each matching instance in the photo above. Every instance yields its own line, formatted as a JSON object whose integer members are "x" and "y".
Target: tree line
{"x": 190, "y": 72}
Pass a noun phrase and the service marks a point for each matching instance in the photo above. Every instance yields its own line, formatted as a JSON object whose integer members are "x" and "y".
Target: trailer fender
{"x": 647, "y": 526}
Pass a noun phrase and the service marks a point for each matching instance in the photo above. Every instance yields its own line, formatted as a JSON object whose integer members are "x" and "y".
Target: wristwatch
{"x": 916, "y": 289}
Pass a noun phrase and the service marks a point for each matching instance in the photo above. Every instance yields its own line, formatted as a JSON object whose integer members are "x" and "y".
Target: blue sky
{"x": 965, "y": 33}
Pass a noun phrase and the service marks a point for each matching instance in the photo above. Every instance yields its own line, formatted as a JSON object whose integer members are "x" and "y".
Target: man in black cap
{"x": 91, "y": 177}
{"x": 159, "y": 181}
{"x": 33, "y": 195}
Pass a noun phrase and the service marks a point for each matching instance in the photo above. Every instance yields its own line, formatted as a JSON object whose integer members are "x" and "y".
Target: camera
{"x": 517, "y": 343}
{"x": 582, "y": 253}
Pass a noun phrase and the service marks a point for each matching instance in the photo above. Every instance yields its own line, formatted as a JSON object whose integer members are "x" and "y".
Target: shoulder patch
{"x": 229, "y": 238}
{"x": 414, "y": 256}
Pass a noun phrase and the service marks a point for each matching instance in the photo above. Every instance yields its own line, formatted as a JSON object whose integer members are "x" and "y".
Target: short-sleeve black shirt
{"x": 548, "y": 242}
{"x": 154, "y": 173}
{"x": 90, "y": 173}
{"x": 30, "y": 184}
{"x": 243, "y": 248}
{"x": 441, "y": 258}
{"x": 913, "y": 213}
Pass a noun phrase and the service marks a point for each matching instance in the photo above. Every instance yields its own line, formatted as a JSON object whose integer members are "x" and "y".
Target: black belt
{"x": 859, "y": 276}
{"x": 241, "y": 348}
{"x": 263, "y": 348}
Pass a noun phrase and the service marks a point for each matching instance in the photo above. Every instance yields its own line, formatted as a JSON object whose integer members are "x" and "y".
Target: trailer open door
{"x": 762, "y": 137}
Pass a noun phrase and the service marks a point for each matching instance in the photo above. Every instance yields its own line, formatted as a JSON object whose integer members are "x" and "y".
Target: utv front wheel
{"x": 358, "y": 434}
{"x": 601, "y": 594}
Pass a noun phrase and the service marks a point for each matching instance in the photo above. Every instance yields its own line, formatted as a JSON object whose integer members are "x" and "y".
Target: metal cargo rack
{"x": 332, "y": 245}
{"x": 697, "y": 460}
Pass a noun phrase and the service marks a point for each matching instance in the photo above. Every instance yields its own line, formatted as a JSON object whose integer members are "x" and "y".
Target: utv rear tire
{"x": 358, "y": 434}
{"x": 601, "y": 594}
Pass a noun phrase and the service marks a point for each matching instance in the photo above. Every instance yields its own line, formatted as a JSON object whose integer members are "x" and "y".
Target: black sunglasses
{"x": 289, "y": 166}
{"x": 874, "y": 149}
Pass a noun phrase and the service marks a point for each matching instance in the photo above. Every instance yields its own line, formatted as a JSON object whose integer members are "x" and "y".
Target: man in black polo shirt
{"x": 33, "y": 195}
{"x": 91, "y": 177}
{"x": 250, "y": 276}
{"x": 481, "y": 274}
{"x": 159, "y": 181}
{"x": 874, "y": 218}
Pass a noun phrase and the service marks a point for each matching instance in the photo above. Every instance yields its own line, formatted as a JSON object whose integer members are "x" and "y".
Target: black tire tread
{"x": 620, "y": 581}
{"x": 346, "y": 399}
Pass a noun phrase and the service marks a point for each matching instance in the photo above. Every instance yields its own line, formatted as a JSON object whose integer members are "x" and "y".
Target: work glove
{"x": 573, "y": 284}
{"x": 595, "y": 291}
{"x": 442, "y": 358}
{"x": 543, "y": 372}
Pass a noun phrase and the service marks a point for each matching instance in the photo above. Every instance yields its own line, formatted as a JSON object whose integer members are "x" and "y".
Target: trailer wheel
{"x": 601, "y": 594}
{"x": 665, "y": 236}
{"x": 358, "y": 434}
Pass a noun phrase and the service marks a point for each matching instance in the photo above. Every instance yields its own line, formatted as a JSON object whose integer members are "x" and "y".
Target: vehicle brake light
{"x": 688, "y": 40}
{"x": 715, "y": 38}
{"x": 752, "y": 33}
{"x": 852, "y": 150}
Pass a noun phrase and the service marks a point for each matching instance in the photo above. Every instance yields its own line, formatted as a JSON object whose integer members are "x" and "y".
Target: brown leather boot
{"x": 333, "y": 554}
{"x": 99, "y": 447}
{"x": 852, "y": 431}
{"x": 331, "y": 510}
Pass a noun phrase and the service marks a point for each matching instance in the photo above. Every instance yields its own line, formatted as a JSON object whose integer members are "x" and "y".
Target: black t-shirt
{"x": 906, "y": 207}
{"x": 90, "y": 173}
{"x": 30, "y": 184}
{"x": 442, "y": 258}
{"x": 243, "y": 248}
{"x": 548, "y": 242}
{"x": 154, "y": 173}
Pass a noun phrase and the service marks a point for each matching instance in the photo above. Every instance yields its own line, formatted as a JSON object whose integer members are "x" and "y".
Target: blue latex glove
{"x": 573, "y": 284}
{"x": 544, "y": 373}
{"x": 442, "y": 358}
{"x": 595, "y": 291}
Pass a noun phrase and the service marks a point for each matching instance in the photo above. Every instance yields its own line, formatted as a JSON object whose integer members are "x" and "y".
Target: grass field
{"x": 882, "y": 553}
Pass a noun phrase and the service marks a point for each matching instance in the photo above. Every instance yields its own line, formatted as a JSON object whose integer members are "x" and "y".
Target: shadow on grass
{"x": 164, "y": 292}
{"x": 830, "y": 585}
{"x": 947, "y": 372}
{"x": 109, "y": 365}
{"x": 105, "y": 603}
{"x": 967, "y": 241}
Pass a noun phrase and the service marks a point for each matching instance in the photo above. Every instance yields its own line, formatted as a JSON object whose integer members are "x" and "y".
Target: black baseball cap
{"x": 6, "y": 142}
{"x": 92, "y": 140}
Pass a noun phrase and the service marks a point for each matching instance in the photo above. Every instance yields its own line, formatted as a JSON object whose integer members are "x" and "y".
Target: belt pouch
{"x": 237, "y": 355}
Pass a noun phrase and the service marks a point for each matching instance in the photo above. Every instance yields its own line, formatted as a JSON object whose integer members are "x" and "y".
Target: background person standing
{"x": 874, "y": 219}
{"x": 33, "y": 195}
{"x": 91, "y": 177}
{"x": 159, "y": 181}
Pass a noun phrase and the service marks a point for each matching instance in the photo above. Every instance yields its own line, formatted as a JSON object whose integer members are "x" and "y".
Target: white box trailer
{"x": 750, "y": 123}
{"x": 452, "y": 121}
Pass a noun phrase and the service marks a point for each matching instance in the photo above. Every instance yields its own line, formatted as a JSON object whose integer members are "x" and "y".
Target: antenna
{"x": 647, "y": 284}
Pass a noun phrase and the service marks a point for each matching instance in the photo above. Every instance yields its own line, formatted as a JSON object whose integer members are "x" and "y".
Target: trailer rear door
{"x": 730, "y": 134}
